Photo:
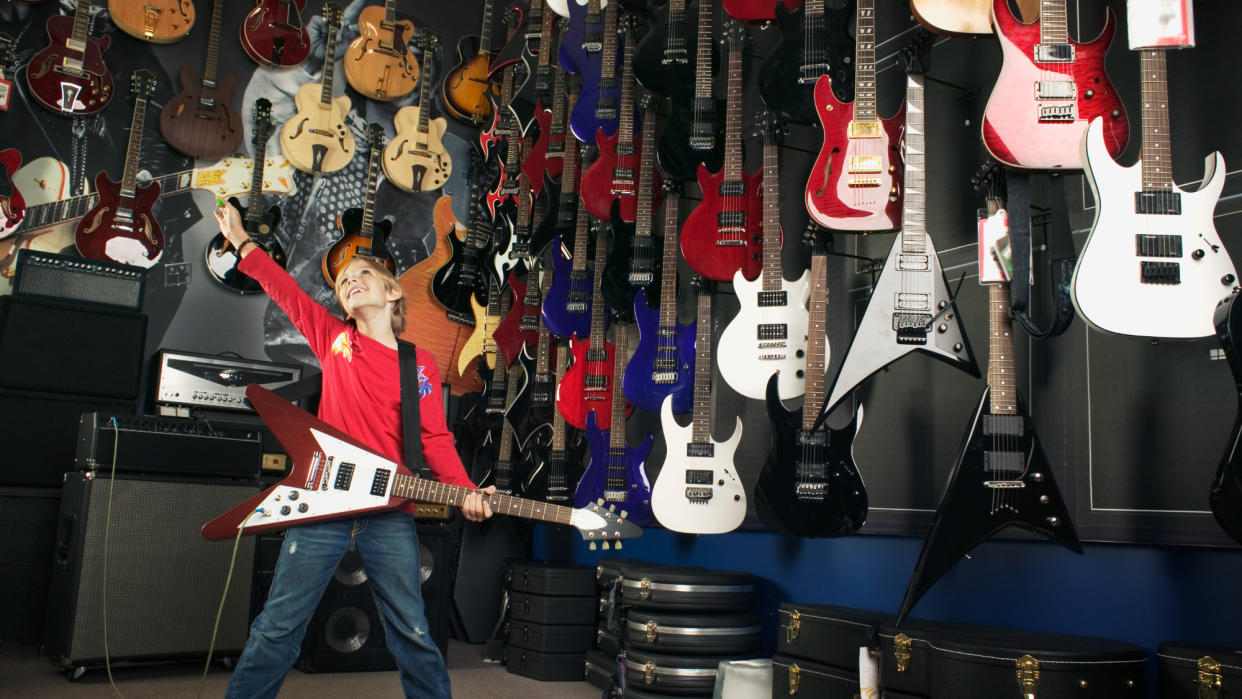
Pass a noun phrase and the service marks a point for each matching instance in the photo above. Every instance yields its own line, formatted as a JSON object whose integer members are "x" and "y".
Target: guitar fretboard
{"x": 733, "y": 111}
{"x": 81, "y": 25}
{"x": 772, "y": 274}
{"x": 129, "y": 179}
{"x": 569, "y": 171}
{"x": 597, "y": 298}
{"x": 424, "y": 490}
{"x": 913, "y": 214}
{"x": 608, "y": 68}
{"x": 558, "y": 420}
{"x": 668, "y": 283}
{"x": 703, "y": 50}
{"x": 1001, "y": 376}
{"x": 620, "y": 355}
{"x": 424, "y": 91}
{"x": 817, "y": 328}
{"x": 332, "y": 15}
{"x": 625, "y": 128}
{"x": 1157, "y": 149}
{"x": 373, "y": 168}
{"x": 1053, "y": 22}
{"x": 646, "y": 175}
{"x": 254, "y": 202}
{"x": 701, "y": 418}
{"x": 213, "y": 44}
{"x": 485, "y": 33}
{"x": 864, "y": 63}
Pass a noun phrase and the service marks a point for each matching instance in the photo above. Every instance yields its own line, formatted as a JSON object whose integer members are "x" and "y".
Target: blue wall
{"x": 1140, "y": 594}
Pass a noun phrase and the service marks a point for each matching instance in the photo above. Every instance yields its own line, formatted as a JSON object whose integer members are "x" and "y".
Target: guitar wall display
{"x": 200, "y": 121}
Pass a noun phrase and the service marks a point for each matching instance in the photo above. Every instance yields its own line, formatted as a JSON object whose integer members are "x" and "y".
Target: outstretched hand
{"x": 231, "y": 226}
{"x": 475, "y": 508}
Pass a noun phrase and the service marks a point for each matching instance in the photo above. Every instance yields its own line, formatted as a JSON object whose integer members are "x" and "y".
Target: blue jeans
{"x": 388, "y": 545}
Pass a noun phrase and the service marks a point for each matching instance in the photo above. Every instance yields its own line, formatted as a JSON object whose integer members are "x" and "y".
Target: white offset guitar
{"x": 698, "y": 490}
{"x": 1152, "y": 265}
{"x": 768, "y": 334}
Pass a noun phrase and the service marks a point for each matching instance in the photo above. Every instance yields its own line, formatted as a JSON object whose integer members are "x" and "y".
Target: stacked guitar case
{"x": 664, "y": 629}
{"x": 818, "y": 655}
{"x": 551, "y": 621}
{"x": 1196, "y": 671}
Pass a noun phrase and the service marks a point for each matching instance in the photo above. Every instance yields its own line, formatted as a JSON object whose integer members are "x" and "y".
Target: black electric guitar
{"x": 361, "y": 234}
{"x": 809, "y": 485}
{"x": 260, "y": 223}
{"x": 1226, "y": 496}
{"x": 1001, "y": 477}
{"x": 815, "y": 41}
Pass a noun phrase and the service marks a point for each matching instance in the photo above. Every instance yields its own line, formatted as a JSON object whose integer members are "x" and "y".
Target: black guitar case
{"x": 675, "y": 588}
{"x": 693, "y": 634}
{"x": 1194, "y": 671}
{"x": 662, "y": 673}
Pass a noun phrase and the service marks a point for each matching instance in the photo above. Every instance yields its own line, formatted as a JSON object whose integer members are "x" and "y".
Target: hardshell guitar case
{"x": 558, "y": 579}
{"x": 1197, "y": 671}
{"x": 697, "y": 634}
{"x": 687, "y": 589}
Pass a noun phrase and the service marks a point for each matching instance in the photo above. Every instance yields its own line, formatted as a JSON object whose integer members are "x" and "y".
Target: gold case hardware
{"x": 795, "y": 625}
{"x": 795, "y": 678}
{"x": 1028, "y": 676}
{"x": 649, "y": 673}
{"x": 651, "y": 631}
{"x": 644, "y": 588}
{"x": 1209, "y": 678}
{"x": 901, "y": 651}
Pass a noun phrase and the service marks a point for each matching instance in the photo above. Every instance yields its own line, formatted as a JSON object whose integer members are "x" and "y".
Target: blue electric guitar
{"x": 567, "y": 308}
{"x": 599, "y": 104}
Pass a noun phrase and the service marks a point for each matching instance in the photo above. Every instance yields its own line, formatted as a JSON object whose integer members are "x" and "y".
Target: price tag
{"x": 995, "y": 259}
{"x": 6, "y": 91}
{"x": 1160, "y": 23}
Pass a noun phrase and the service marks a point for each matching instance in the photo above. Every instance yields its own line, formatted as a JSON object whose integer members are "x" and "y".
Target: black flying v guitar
{"x": 1001, "y": 477}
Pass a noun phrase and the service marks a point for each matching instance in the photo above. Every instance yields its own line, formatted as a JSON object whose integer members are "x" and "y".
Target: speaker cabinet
{"x": 28, "y": 520}
{"x": 163, "y": 580}
{"x": 40, "y": 431}
{"x": 346, "y": 633}
{"x": 66, "y": 348}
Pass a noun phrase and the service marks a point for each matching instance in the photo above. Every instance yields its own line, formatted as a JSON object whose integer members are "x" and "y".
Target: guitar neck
{"x": 558, "y": 420}
{"x": 81, "y": 26}
{"x": 254, "y": 203}
{"x": 329, "y": 64}
{"x": 703, "y": 51}
{"x": 913, "y": 214}
{"x": 506, "y": 438}
{"x": 597, "y": 298}
{"x": 864, "y": 65}
{"x": 485, "y": 34}
{"x": 817, "y": 328}
{"x": 390, "y": 13}
{"x": 733, "y": 116}
{"x": 129, "y": 180}
{"x": 569, "y": 171}
{"x": 625, "y": 127}
{"x": 423, "y": 490}
{"x": 368, "y": 208}
{"x": 771, "y": 216}
{"x": 424, "y": 90}
{"x": 814, "y": 8}
{"x": 546, "y": 21}
{"x": 581, "y": 230}
{"x": 213, "y": 44}
{"x": 1053, "y": 22}
{"x": 701, "y": 420}
{"x": 1001, "y": 375}
{"x": 620, "y": 355}
{"x": 668, "y": 283}
{"x": 1157, "y": 149}
{"x": 75, "y": 207}
{"x": 646, "y": 175}
{"x": 608, "y": 67}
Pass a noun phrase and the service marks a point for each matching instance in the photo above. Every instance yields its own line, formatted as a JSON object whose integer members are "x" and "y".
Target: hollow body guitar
{"x": 361, "y": 234}
{"x": 416, "y": 159}
{"x": 273, "y": 33}
{"x": 317, "y": 139}
{"x": 380, "y": 63}
{"x": 200, "y": 121}
{"x": 68, "y": 76}
{"x": 157, "y": 21}
{"x": 466, "y": 90}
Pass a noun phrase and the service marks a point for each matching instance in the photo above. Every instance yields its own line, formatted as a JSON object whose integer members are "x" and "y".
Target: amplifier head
{"x": 49, "y": 275}
{"x": 188, "y": 380}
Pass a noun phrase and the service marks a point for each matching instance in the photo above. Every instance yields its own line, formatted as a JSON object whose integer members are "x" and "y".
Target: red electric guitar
{"x": 121, "y": 228}
{"x": 200, "y": 121}
{"x": 69, "y": 75}
{"x": 724, "y": 233}
{"x": 757, "y": 9}
{"x": 273, "y": 33}
{"x": 855, "y": 184}
{"x": 1050, "y": 87}
{"x": 547, "y": 155}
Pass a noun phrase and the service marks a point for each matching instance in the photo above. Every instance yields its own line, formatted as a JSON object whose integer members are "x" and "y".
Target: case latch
{"x": 1028, "y": 676}
{"x": 795, "y": 678}
{"x": 649, "y": 673}
{"x": 795, "y": 625}
{"x": 644, "y": 588}
{"x": 651, "y": 631}
{"x": 1209, "y": 678}
{"x": 901, "y": 651}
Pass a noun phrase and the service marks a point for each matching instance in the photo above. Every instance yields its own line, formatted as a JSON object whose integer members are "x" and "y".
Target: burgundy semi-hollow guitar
{"x": 69, "y": 75}
{"x": 273, "y": 33}
{"x": 1050, "y": 87}
{"x": 199, "y": 121}
{"x": 121, "y": 228}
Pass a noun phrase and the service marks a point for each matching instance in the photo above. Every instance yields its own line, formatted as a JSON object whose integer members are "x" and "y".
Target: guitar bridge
{"x": 911, "y": 328}
{"x": 1004, "y": 485}
{"x": 664, "y": 378}
{"x": 811, "y": 491}
{"x": 1160, "y": 272}
{"x": 1056, "y": 114}
{"x": 698, "y": 495}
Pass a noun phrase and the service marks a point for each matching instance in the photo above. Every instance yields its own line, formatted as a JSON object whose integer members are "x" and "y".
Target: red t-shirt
{"x": 362, "y": 379}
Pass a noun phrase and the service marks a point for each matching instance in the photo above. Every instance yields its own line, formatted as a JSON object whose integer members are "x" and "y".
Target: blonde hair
{"x": 390, "y": 284}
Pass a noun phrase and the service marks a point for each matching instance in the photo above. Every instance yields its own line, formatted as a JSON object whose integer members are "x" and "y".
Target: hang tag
{"x": 6, "y": 92}
{"x": 995, "y": 257}
{"x": 1160, "y": 24}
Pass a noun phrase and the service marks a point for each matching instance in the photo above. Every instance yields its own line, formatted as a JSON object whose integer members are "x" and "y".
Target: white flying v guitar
{"x": 910, "y": 308}
{"x": 1153, "y": 265}
{"x": 335, "y": 476}
{"x": 768, "y": 334}
{"x": 698, "y": 490}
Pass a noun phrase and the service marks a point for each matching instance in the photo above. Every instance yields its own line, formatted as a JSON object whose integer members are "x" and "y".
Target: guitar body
{"x": 535, "y": 404}
{"x": 571, "y": 54}
{"x": 546, "y": 156}
{"x": 793, "y": 464}
{"x": 554, "y": 475}
{"x": 484, "y": 325}
{"x": 1226, "y": 494}
{"x": 199, "y": 121}
{"x": 466, "y": 88}
{"x": 108, "y": 234}
{"x": 756, "y": 9}
{"x": 504, "y": 241}
{"x": 457, "y": 283}
{"x": 574, "y": 399}
{"x": 662, "y": 365}
{"x": 971, "y": 512}
{"x": 749, "y": 350}
{"x": 696, "y": 494}
{"x": 316, "y": 139}
{"x": 352, "y": 243}
{"x": 63, "y": 89}
{"x": 1018, "y": 127}
{"x": 157, "y": 21}
{"x": 866, "y": 199}
{"x": 674, "y": 153}
{"x": 876, "y": 343}
{"x": 955, "y": 17}
{"x": 380, "y": 63}
{"x": 273, "y": 33}
{"x": 628, "y": 469}
{"x": 567, "y": 305}
{"x": 12, "y": 205}
{"x": 1109, "y": 268}
{"x": 556, "y": 222}
{"x": 617, "y": 286}
{"x": 715, "y": 254}
{"x": 414, "y": 166}
{"x": 434, "y": 331}
{"x": 599, "y": 104}
{"x": 222, "y": 260}
{"x": 786, "y": 88}
{"x": 665, "y": 57}
{"x": 521, "y": 326}
{"x": 613, "y": 177}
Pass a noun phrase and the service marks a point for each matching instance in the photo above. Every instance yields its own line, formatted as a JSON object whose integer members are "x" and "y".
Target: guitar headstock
{"x": 262, "y": 119}
{"x": 142, "y": 83}
{"x": 734, "y": 35}
{"x": 817, "y": 239}
{"x": 332, "y": 16}
{"x": 672, "y": 186}
{"x": 770, "y": 127}
{"x": 702, "y": 284}
{"x": 427, "y": 40}
{"x": 916, "y": 56}
{"x": 597, "y": 523}
{"x": 375, "y": 135}
{"x": 7, "y": 52}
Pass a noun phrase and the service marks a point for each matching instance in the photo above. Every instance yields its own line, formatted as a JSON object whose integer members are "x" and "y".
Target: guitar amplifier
{"x": 49, "y": 275}
{"x": 161, "y": 445}
{"x": 184, "y": 380}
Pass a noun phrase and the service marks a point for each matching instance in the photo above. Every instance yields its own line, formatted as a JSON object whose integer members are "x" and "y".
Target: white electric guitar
{"x": 1152, "y": 265}
{"x": 910, "y": 308}
{"x": 768, "y": 334}
{"x": 698, "y": 490}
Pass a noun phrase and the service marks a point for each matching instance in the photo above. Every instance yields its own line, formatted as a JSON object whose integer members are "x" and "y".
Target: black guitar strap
{"x": 1060, "y": 248}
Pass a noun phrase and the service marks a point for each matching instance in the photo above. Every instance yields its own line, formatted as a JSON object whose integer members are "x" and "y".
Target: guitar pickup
{"x": 1056, "y": 113}
{"x": 606, "y": 109}
{"x": 576, "y": 307}
{"x": 1003, "y": 425}
{"x": 1054, "y": 53}
{"x": 1004, "y": 461}
{"x": 665, "y": 363}
{"x": 637, "y": 278}
{"x": 913, "y": 263}
{"x": 732, "y": 189}
{"x": 911, "y": 302}
{"x": 911, "y": 328}
{"x": 1152, "y": 245}
{"x": 865, "y": 129}
{"x": 769, "y": 299}
{"x": 530, "y": 322}
{"x": 699, "y": 476}
{"x": 623, "y": 174}
{"x": 344, "y": 476}
{"x": 866, "y": 164}
{"x": 595, "y": 382}
{"x": 1056, "y": 89}
{"x": 614, "y": 495}
{"x": 772, "y": 345}
{"x": 813, "y": 438}
{"x": 1160, "y": 272}
{"x": 1166, "y": 203}
{"x": 698, "y": 494}
{"x": 704, "y": 450}
{"x": 731, "y": 220}
{"x": 772, "y": 331}
{"x": 379, "y": 484}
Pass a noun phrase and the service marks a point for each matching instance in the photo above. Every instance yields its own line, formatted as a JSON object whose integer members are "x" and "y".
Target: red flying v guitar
{"x": 335, "y": 476}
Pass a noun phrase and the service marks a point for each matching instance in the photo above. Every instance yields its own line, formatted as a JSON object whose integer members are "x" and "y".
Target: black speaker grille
{"x": 89, "y": 281}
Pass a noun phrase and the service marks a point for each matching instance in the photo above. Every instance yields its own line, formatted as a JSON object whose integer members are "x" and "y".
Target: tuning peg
{"x": 592, "y": 547}
{"x": 600, "y": 502}
{"x": 624, "y": 514}
{"x": 612, "y": 508}
{"x": 616, "y": 545}
{"x": 604, "y": 545}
